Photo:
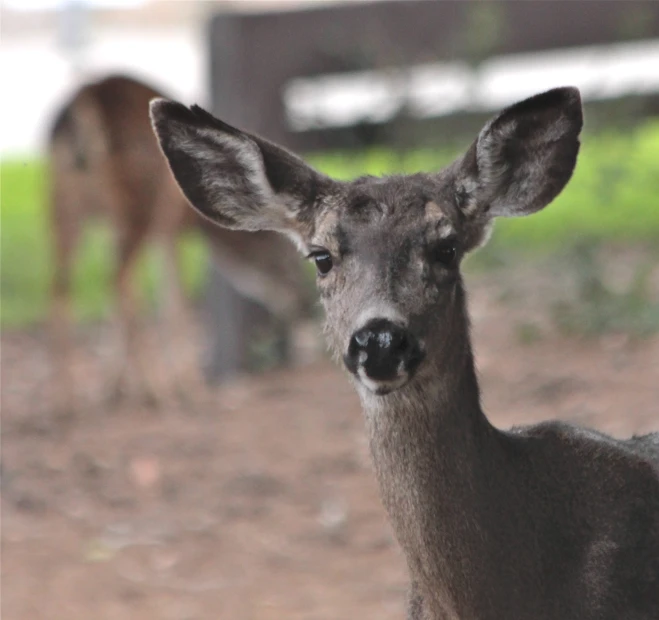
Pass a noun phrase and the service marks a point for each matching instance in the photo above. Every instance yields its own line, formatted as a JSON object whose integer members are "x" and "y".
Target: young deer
{"x": 105, "y": 160}
{"x": 544, "y": 522}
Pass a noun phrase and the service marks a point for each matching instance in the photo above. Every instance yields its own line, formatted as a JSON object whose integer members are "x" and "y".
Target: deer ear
{"x": 235, "y": 179}
{"x": 522, "y": 158}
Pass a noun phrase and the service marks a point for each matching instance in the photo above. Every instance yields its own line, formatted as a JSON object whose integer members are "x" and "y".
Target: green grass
{"x": 26, "y": 253}
{"x": 613, "y": 196}
{"x": 24, "y": 263}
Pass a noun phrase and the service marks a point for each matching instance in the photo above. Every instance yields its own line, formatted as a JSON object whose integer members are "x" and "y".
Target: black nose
{"x": 384, "y": 350}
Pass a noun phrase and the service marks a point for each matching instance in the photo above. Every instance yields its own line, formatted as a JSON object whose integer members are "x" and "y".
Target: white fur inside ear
{"x": 235, "y": 174}
{"x": 467, "y": 189}
{"x": 491, "y": 167}
{"x": 243, "y": 151}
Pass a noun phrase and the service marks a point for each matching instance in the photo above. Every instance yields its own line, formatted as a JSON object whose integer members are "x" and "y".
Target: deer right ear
{"x": 235, "y": 179}
{"x": 523, "y": 157}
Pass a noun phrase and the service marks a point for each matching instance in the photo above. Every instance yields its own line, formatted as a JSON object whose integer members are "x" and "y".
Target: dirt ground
{"x": 263, "y": 505}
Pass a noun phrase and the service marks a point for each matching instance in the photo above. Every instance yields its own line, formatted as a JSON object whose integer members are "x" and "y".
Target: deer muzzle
{"x": 383, "y": 355}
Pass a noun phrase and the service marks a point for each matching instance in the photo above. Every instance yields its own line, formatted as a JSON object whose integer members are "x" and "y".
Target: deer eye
{"x": 444, "y": 254}
{"x": 323, "y": 260}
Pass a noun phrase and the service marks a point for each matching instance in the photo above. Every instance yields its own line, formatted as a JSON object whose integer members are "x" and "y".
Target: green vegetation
{"x": 612, "y": 197}
{"x": 26, "y": 253}
{"x": 23, "y": 232}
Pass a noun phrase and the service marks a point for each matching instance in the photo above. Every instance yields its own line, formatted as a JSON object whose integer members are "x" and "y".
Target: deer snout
{"x": 383, "y": 355}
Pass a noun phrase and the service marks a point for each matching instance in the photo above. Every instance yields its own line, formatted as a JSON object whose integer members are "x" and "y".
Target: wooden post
{"x": 235, "y": 322}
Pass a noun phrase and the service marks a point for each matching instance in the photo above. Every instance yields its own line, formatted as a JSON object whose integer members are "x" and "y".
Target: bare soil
{"x": 262, "y": 505}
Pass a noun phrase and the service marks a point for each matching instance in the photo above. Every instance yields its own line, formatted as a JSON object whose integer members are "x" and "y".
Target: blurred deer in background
{"x": 105, "y": 160}
{"x": 546, "y": 522}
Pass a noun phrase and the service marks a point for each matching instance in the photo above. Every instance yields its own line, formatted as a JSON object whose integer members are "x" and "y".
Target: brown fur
{"x": 547, "y": 522}
{"x": 105, "y": 161}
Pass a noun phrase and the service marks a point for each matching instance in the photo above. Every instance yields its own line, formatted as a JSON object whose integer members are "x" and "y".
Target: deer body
{"x": 476, "y": 512}
{"x": 105, "y": 161}
{"x": 545, "y": 522}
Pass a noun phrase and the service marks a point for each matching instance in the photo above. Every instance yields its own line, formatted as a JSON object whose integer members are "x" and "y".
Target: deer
{"x": 543, "y": 522}
{"x": 105, "y": 161}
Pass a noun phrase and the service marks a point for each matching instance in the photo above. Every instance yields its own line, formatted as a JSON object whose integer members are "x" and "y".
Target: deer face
{"x": 387, "y": 250}
{"x": 387, "y": 254}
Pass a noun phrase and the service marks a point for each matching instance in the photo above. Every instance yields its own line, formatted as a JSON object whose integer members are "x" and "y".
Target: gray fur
{"x": 544, "y": 522}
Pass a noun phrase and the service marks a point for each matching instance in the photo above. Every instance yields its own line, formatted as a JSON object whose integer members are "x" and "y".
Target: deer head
{"x": 387, "y": 250}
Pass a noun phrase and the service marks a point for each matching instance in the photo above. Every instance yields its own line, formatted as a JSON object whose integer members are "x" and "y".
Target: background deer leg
{"x": 67, "y": 196}
{"x": 180, "y": 329}
{"x": 66, "y": 237}
{"x": 133, "y": 364}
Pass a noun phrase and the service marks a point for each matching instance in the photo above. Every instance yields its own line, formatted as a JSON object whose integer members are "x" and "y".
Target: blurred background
{"x": 258, "y": 501}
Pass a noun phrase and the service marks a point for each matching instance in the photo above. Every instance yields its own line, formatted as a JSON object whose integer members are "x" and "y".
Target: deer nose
{"x": 383, "y": 350}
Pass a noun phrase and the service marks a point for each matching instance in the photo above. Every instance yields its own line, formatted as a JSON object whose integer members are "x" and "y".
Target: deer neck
{"x": 437, "y": 459}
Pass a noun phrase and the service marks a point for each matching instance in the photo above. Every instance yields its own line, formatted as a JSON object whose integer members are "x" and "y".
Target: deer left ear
{"x": 235, "y": 179}
{"x": 522, "y": 158}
